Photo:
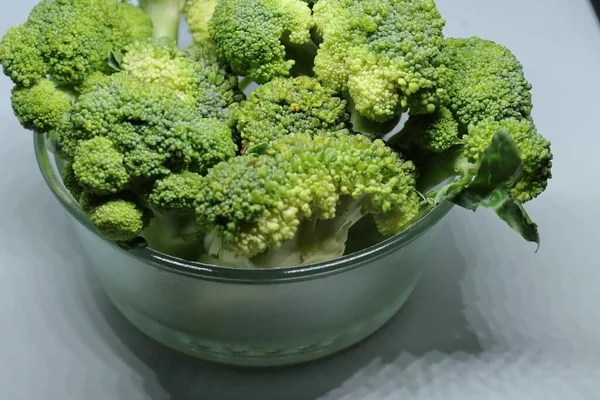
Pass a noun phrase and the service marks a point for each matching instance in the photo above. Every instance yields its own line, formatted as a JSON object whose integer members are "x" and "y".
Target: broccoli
{"x": 302, "y": 196}
{"x": 488, "y": 92}
{"x": 175, "y": 192}
{"x": 385, "y": 55}
{"x": 165, "y": 147}
{"x": 198, "y": 14}
{"x": 196, "y": 75}
{"x": 486, "y": 118}
{"x": 68, "y": 40}
{"x": 41, "y": 107}
{"x": 124, "y": 134}
{"x": 289, "y": 105}
{"x": 256, "y": 36}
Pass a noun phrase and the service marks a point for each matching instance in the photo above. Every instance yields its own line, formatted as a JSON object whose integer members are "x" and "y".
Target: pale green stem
{"x": 165, "y": 16}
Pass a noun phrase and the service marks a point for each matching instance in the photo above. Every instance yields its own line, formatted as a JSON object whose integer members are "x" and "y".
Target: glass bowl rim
{"x": 203, "y": 271}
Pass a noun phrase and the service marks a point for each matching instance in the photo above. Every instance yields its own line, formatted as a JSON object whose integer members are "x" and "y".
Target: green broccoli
{"x": 119, "y": 219}
{"x": 161, "y": 147}
{"x": 196, "y": 75}
{"x": 302, "y": 196}
{"x": 70, "y": 39}
{"x": 255, "y": 36}
{"x": 534, "y": 151}
{"x": 41, "y": 107}
{"x": 198, "y": 14}
{"x": 149, "y": 124}
{"x": 175, "y": 192}
{"x": 485, "y": 81}
{"x": 385, "y": 55}
{"x": 124, "y": 134}
{"x": 289, "y": 105}
{"x": 436, "y": 132}
{"x": 488, "y": 92}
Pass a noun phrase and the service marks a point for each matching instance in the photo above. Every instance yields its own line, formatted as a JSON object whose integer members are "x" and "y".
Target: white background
{"x": 490, "y": 320}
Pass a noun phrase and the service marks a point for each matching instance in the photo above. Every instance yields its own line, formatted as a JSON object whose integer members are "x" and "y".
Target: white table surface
{"x": 490, "y": 320}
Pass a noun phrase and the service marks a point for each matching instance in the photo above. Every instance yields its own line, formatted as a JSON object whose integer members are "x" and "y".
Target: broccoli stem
{"x": 368, "y": 127}
{"x": 317, "y": 240}
{"x": 245, "y": 83}
{"x": 165, "y": 15}
{"x": 174, "y": 233}
{"x": 447, "y": 173}
{"x": 303, "y": 55}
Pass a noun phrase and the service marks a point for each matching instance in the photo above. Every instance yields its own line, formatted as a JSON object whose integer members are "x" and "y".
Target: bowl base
{"x": 258, "y": 356}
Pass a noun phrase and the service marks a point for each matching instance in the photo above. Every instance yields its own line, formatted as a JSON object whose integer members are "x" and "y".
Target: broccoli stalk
{"x": 165, "y": 16}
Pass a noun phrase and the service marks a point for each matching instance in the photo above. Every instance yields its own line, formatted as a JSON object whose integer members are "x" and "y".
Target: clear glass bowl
{"x": 253, "y": 317}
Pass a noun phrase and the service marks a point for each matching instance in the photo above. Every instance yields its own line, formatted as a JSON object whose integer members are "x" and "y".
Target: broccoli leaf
{"x": 512, "y": 212}
{"x": 483, "y": 185}
{"x": 115, "y": 60}
{"x": 500, "y": 162}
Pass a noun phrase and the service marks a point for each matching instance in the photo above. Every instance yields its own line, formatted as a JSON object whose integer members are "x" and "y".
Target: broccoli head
{"x": 303, "y": 195}
{"x": 42, "y": 106}
{"x": 99, "y": 167}
{"x": 436, "y": 132}
{"x": 195, "y": 75}
{"x": 485, "y": 81}
{"x": 176, "y": 191}
{"x": 120, "y": 220}
{"x": 289, "y": 105}
{"x": 147, "y": 123}
{"x": 252, "y": 35}
{"x": 70, "y": 39}
{"x": 124, "y": 134}
{"x": 385, "y": 55}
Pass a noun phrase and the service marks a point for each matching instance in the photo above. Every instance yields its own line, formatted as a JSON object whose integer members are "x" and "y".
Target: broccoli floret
{"x": 99, "y": 167}
{"x": 435, "y": 132}
{"x": 384, "y": 55}
{"x": 119, "y": 220}
{"x": 92, "y": 82}
{"x": 303, "y": 196}
{"x": 70, "y": 39}
{"x": 177, "y": 191}
{"x": 196, "y": 75}
{"x": 486, "y": 81}
{"x": 147, "y": 123}
{"x": 162, "y": 62}
{"x": 289, "y": 105}
{"x": 252, "y": 35}
{"x": 198, "y": 14}
{"x": 71, "y": 182}
{"x": 41, "y": 107}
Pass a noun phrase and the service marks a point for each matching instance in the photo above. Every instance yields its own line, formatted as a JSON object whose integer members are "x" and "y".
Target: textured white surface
{"x": 490, "y": 320}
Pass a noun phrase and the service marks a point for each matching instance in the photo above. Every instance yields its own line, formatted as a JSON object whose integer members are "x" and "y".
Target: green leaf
{"x": 115, "y": 60}
{"x": 512, "y": 212}
{"x": 500, "y": 162}
{"x": 262, "y": 148}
